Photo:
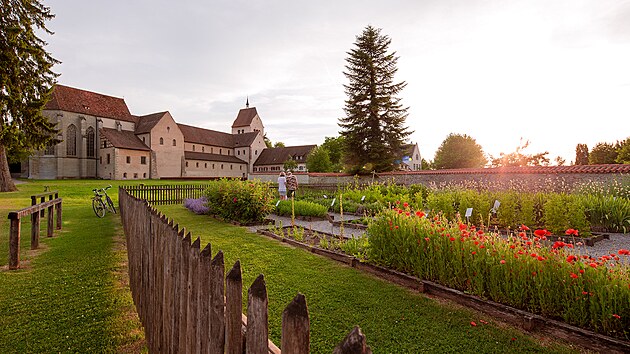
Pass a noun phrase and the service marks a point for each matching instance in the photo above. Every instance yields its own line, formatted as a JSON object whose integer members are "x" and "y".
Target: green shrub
{"x": 301, "y": 208}
{"x": 562, "y": 212}
{"x": 242, "y": 201}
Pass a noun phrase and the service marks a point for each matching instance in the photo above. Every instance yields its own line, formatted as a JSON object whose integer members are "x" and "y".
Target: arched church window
{"x": 91, "y": 147}
{"x": 71, "y": 140}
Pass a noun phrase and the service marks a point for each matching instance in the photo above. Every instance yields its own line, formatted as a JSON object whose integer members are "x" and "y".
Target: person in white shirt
{"x": 282, "y": 186}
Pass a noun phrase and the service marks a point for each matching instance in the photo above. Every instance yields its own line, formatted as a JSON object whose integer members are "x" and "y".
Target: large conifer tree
{"x": 26, "y": 79}
{"x": 374, "y": 126}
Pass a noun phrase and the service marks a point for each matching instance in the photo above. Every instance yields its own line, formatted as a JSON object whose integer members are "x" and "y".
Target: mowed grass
{"x": 394, "y": 319}
{"x": 70, "y": 295}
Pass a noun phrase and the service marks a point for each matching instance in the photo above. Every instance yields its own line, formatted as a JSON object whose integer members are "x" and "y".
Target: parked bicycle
{"x": 101, "y": 206}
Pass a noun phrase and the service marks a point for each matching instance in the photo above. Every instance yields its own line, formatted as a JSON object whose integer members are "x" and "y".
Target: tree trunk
{"x": 6, "y": 182}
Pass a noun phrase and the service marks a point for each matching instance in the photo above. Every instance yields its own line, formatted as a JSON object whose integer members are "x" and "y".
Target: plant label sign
{"x": 362, "y": 199}
{"x": 278, "y": 202}
{"x": 333, "y": 202}
{"x": 469, "y": 212}
{"x": 497, "y": 203}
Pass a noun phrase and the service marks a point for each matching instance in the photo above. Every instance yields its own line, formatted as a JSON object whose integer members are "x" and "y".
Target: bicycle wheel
{"x": 110, "y": 203}
{"x": 99, "y": 207}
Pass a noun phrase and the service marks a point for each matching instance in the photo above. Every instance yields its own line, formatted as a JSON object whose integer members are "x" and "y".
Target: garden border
{"x": 526, "y": 320}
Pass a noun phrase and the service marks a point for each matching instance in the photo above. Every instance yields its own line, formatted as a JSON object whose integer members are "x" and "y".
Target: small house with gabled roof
{"x": 122, "y": 155}
{"x": 273, "y": 159}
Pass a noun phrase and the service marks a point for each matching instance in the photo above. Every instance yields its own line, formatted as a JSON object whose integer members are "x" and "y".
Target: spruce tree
{"x": 26, "y": 80}
{"x": 374, "y": 128}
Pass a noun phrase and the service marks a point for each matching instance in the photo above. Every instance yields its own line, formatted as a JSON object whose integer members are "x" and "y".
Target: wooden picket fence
{"x": 166, "y": 193}
{"x": 187, "y": 304}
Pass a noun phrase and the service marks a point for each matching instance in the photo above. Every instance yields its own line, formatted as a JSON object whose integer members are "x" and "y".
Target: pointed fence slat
{"x": 257, "y": 320}
{"x": 217, "y": 302}
{"x": 234, "y": 310}
{"x": 296, "y": 327}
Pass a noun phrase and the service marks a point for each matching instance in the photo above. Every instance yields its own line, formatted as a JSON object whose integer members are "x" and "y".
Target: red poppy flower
{"x": 571, "y": 258}
{"x": 572, "y": 232}
{"x": 426, "y": 239}
{"x": 405, "y": 204}
{"x": 540, "y": 233}
{"x": 541, "y": 258}
{"x": 419, "y": 214}
{"x": 398, "y": 202}
{"x": 452, "y": 239}
{"x": 581, "y": 271}
{"x": 616, "y": 316}
{"x": 396, "y": 227}
{"x": 463, "y": 226}
{"x": 624, "y": 252}
{"x": 593, "y": 264}
{"x": 472, "y": 323}
{"x": 558, "y": 244}
{"x": 524, "y": 228}
{"x": 407, "y": 213}
{"x": 474, "y": 253}
{"x": 574, "y": 276}
{"x": 502, "y": 261}
{"x": 512, "y": 246}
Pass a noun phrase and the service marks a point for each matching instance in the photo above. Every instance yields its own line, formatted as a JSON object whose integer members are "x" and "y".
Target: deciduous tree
{"x": 623, "y": 154}
{"x": 26, "y": 80}
{"x": 374, "y": 126}
{"x": 519, "y": 158}
{"x": 318, "y": 160}
{"x": 459, "y": 151}
{"x": 334, "y": 146}
{"x": 603, "y": 153}
{"x": 581, "y": 154}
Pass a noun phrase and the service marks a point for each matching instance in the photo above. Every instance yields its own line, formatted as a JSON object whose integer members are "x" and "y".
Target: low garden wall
{"x": 550, "y": 178}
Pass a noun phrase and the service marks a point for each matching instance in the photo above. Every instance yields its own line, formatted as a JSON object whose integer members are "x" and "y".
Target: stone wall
{"x": 551, "y": 178}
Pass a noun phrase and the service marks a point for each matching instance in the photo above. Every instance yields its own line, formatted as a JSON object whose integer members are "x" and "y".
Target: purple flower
{"x": 197, "y": 206}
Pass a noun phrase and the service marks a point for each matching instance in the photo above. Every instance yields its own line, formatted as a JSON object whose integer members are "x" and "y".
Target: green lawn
{"x": 72, "y": 295}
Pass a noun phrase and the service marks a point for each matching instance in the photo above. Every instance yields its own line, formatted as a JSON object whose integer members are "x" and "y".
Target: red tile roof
{"x": 146, "y": 123}
{"x": 191, "y": 155}
{"x": 75, "y": 100}
{"x": 123, "y": 139}
{"x": 277, "y": 156}
{"x": 245, "y": 139}
{"x": 610, "y": 168}
{"x": 245, "y": 117}
{"x": 205, "y": 136}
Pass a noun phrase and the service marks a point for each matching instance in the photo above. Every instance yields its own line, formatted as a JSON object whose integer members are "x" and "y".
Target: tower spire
{"x": 247, "y": 102}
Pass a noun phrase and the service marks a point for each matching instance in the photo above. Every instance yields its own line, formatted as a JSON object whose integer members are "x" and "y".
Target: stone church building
{"x": 100, "y": 138}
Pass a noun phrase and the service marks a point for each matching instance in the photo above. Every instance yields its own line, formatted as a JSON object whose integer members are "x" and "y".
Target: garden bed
{"x": 526, "y": 320}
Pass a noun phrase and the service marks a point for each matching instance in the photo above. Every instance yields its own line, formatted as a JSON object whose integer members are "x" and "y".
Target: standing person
{"x": 282, "y": 186}
{"x": 292, "y": 184}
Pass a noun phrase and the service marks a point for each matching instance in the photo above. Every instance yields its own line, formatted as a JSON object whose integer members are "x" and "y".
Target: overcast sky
{"x": 556, "y": 73}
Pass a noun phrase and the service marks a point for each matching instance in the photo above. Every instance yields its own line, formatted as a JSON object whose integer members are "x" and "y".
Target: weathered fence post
{"x": 14, "y": 241}
{"x": 296, "y": 327}
{"x": 35, "y": 224}
{"x": 51, "y": 224}
{"x": 354, "y": 343}
{"x": 257, "y": 318}
{"x": 234, "y": 310}
{"x": 183, "y": 291}
{"x": 58, "y": 216}
{"x": 217, "y": 302}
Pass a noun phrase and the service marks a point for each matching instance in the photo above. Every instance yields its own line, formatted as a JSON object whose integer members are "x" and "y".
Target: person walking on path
{"x": 292, "y": 184}
{"x": 282, "y": 186}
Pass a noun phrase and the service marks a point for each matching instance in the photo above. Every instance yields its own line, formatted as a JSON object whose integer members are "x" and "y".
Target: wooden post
{"x": 205, "y": 283}
{"x": 296, "y": 327}
{"x": 59, "y": 208}
{"x": 14, "y": 242}
{"x": 193, "y": 297}
{"x": 234, "y": 310}
{"x": 51, "y": 223}
{"x": 257, "y": 320}
{"x": 43, "y": 212}
{"x": 35, "y": 222}
{"x": 217, "y": 302}
{"x": 354, "y": 343}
